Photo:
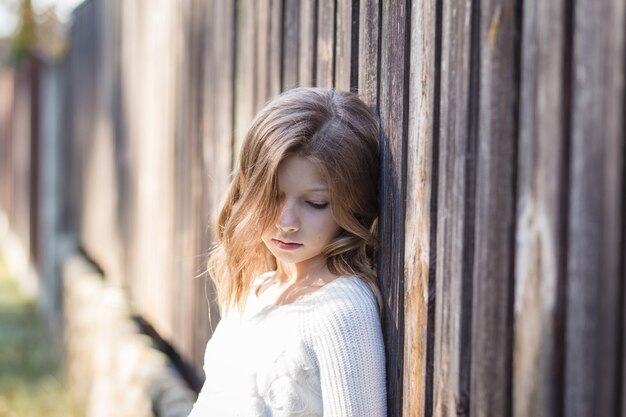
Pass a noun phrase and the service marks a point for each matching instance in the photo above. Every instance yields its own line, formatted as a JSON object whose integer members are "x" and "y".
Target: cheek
{"x": 327, "y": 228}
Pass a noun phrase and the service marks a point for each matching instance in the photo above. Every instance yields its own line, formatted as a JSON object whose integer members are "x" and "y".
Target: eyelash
{"x": 317, "y": 206}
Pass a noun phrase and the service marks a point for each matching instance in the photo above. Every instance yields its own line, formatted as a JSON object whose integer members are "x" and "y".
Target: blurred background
{"x": 39, "y": 24}
{"x": 502, "y": 222}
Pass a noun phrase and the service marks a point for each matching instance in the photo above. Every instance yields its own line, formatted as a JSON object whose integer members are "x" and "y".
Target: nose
{"x": 289, "y": 219}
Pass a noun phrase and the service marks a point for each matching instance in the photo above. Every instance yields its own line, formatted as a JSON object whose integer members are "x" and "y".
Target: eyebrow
{"x": 318, "y": 189}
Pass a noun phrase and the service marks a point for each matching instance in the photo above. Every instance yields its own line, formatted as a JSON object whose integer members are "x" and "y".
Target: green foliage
{"x": 31, "y": 376}
{"x": 25, "y": 38}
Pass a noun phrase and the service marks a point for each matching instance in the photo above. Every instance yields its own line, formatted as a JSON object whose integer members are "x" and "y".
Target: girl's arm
{"x": 350, "y": 353}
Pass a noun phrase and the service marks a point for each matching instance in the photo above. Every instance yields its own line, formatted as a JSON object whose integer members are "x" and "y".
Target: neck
{"x": 302, "y": 271}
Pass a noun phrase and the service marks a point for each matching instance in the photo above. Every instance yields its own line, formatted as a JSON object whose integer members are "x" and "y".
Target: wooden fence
{"x": 503, "y": 190}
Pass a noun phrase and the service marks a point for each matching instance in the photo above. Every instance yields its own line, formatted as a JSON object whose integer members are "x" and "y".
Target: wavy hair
{"x": 340, "y": 134}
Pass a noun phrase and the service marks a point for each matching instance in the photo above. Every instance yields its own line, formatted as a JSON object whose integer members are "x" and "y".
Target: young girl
{"x": 300, "y": 333}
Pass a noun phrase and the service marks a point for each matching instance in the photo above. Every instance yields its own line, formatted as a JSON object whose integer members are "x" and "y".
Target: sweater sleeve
{"x": 349, "y": 349}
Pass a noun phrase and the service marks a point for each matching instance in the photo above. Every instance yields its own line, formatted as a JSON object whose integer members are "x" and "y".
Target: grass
{"x": 31, "y": 374}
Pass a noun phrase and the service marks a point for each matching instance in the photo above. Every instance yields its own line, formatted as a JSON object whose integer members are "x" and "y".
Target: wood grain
{"x": 325, "y": 61}
{"x": 291, "y": 30}
{"x": 183, "y": 248}
{"x": 491, "y": 359}
{"x": 276, "y": 47}
{"x": 262, "y": 53}
{"x": 218, "y": 135}
{"x": 539, "y": 274}
{"x": 308, "y": 41}
{"x": 595, "y": 212}
{"x": 343, "y": 45}
{"x": 454, "y": 217}
{"x": 393, "y": 109}
{"x": 369, "y": 40}
{"x": 418, "y": 207}
{"x": 244, "y": 72}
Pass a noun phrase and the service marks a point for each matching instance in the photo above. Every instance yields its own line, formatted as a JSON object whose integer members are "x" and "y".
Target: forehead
{"x": 300, "y": 173}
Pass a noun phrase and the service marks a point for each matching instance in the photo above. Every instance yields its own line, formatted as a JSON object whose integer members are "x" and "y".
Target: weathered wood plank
{"x": 343, "y": 45}
{"x": 539, "y": 272}
{"x": 218, "y": 136}
{"x": 325, "y": 67}
{"x": 23, "y": 141}
{"x": 7, "y": 85}
{"x": 492, "y": 309}
{"x": 369, "y": 26}
{"x": 244, "y": 71}
{"x": 182, "y": 250}
{"x": 291, "y": 30}
{"x": 262, "y": 53}
{"x": 101, "y": 235}
{"x": 623, "y": 312}
{"x": 595, "y": 212}
{"x": 197, "y": 300}
{"x": 393, "y": 113}
{"x": 418, "y": 207}
{"x": 454, "y": 217}
{"x": 188, "y": 180}
{"x": 276, "y": 47}
{"x": 153, "y": 149}
{"x": 307, "y": 48}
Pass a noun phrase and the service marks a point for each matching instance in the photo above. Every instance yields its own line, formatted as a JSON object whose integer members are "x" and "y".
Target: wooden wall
{"x": 502, "y": 221}
{"x": 19, "y": 150}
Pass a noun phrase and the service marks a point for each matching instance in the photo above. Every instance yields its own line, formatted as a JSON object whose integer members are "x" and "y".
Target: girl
{"x": 303, "y": 339}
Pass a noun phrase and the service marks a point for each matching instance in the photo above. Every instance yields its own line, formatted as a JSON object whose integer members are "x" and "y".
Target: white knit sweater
{"x": 322, "y": 355}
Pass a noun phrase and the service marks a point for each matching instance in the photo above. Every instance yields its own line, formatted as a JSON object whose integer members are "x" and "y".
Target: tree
{"x": 24, "y": 40}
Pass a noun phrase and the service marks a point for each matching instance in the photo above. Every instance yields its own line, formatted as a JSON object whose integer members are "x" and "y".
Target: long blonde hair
{"x": 339, "y": 133}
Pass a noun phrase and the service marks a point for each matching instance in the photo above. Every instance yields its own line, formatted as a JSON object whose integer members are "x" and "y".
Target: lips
{"x": 286, "y": 245}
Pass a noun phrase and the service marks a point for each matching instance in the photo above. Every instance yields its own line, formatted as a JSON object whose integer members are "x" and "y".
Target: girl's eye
{"x": 318, "y": 206}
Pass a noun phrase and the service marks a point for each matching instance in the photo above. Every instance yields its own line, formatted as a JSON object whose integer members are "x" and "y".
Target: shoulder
{"x": 345, "y": 306}
{"x": 348, "y": 294}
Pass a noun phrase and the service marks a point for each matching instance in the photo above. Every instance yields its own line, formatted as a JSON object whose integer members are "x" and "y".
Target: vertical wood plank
{"x": 189, "y": 182}
{"x": 418, "y": 210}
{"x": 369, "y": 27}
{"x": 217, "y": 132}
{"x": 492, "y": 319}
{"x": 121, "y": 140}
{"x": 276, "y": 47}
{"x": 22, "y": 141}
{"x": 262, "y": 52}
{"x": 244, "y": 71}
{"x": 454, "y": 217}
{"x": 196, "y": 301}
{"x": 623, "y": 277}
{"x": 307, "y": 49}
{"x": 393, "y": 109}
{"x": 290, "y": 43}
{"x": 101, "y": 238}
{"x": 7, "y": 85}
{"x": 595, "y": 212}
{"x": 181, "y": 251}
{"x": 343, "y": 45}
{"x": 325, "y": 67}
{"x": 153, "y": 149}
{"x": 539, "y": 275}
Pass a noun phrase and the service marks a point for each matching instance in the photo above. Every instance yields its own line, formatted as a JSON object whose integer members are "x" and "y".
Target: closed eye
{"x": 318, "y": 206}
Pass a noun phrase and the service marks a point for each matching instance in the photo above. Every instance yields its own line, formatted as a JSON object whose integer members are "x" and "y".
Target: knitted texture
{"x": 322, "y": 355}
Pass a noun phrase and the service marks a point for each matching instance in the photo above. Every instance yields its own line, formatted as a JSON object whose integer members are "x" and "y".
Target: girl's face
{"x": 305, "y": 223}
